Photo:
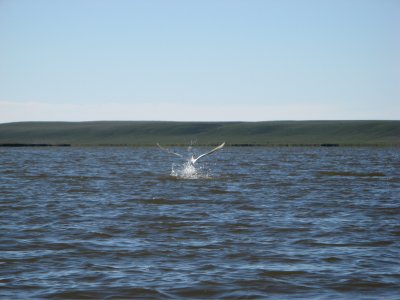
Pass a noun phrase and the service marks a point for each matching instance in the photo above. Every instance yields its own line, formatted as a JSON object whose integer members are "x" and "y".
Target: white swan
{"x": 193, "y": 159}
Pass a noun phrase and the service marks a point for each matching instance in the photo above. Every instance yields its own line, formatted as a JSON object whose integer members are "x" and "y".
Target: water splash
{"x": 190, "y": 171}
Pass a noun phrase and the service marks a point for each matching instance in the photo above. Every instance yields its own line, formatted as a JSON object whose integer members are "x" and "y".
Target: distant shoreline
{"x": 34, "y": 145}
{"x": 237, "y": 134}
{"x": 229, "y": 145}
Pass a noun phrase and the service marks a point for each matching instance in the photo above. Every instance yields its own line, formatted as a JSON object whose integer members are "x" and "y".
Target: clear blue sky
{"x": 199, "y": 60}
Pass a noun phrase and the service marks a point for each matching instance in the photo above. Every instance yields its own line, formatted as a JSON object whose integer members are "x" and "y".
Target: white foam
{"x": 189, "y": 171}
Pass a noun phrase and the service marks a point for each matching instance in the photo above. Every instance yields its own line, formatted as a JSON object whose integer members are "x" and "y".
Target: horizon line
{"x": 208, "y": 121}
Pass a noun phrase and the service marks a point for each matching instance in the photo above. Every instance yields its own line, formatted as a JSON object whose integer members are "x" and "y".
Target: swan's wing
{"x": 212, "y": 151}
{"x": 169, "y": 151}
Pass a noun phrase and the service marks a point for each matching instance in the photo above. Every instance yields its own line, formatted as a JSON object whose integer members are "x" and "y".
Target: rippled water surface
{"x": 253, "y": 223}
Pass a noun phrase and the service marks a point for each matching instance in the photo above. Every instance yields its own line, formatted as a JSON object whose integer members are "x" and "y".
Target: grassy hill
{"x": 206, "y": 133}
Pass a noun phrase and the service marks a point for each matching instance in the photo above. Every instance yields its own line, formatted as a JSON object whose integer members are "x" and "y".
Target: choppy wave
{"x": 260, "y": 223}
{"x": 352, "y": 174}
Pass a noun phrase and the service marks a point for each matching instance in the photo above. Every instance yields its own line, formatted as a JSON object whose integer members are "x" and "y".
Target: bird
{"x": 193, "y": 158}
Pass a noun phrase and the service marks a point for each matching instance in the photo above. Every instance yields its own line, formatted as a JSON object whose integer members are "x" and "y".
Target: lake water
{"x": 248, "y": 223}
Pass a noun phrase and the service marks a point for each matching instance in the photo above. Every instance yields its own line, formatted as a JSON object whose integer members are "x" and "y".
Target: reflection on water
{"x": 252, "y": 223}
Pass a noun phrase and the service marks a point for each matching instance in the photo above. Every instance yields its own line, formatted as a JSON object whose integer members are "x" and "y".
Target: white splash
{"x": 190, "y": 171}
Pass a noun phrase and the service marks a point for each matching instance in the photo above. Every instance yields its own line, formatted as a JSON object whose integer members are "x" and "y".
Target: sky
{"x": 248, "y": 60}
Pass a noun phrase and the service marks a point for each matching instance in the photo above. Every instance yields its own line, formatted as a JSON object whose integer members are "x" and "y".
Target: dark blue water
{"x": 251, "y": 223}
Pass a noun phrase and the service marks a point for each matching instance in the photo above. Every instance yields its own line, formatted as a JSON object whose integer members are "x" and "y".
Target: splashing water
{"x": 189, "y": 171}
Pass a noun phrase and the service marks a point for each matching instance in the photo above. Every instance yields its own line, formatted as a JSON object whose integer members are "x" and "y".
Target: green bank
{"x": 135, "y": 133}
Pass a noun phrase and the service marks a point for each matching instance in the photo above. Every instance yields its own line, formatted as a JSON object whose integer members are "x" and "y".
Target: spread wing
{"x": 169, "y": 151}
{"x": 212, "y": 151}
